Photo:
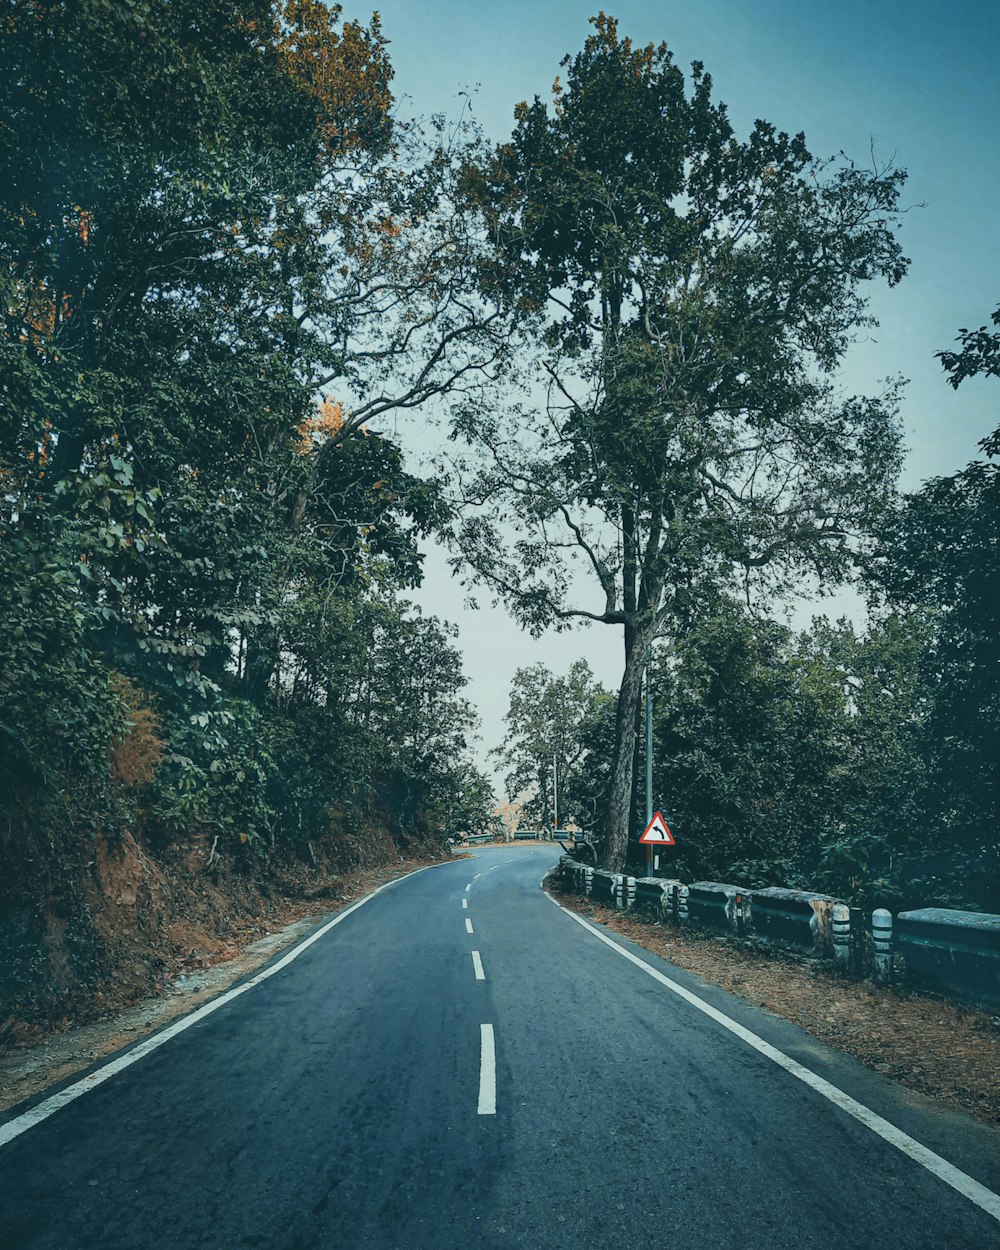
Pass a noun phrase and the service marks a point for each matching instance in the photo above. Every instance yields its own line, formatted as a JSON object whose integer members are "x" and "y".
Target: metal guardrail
{"x": 601, "y": 887}
{"x": 654, "y": 896}
{"x": 623, "y": 891}
{"x": 952, "y": 950}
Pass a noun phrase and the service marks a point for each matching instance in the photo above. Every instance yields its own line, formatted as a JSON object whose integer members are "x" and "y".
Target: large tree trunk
{"x": 618, "y": 813}
{"x": 638, "y": 759}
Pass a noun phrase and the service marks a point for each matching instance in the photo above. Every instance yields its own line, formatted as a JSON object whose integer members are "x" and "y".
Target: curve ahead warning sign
{"x": 657, "y": 833}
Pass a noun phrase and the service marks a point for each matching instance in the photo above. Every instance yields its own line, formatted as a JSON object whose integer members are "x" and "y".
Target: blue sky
{"x": 918, "y": 80}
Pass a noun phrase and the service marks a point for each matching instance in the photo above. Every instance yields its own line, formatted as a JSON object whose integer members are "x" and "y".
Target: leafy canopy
{"x": 684, "y": 297}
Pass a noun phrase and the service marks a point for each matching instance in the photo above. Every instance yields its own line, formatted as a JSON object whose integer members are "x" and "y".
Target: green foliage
{"x": 566, "y": 722}
{"x": 208, "y": 222}
{"x": 214, "y": 778}
{"x": 858, "y": 867}
{"x": 776, "y": 755}
{"x": 939, "y": 550}
{"x": 980, "y": 354}
{"x": 684, "y": 296}
{"x": 59, "y": 713}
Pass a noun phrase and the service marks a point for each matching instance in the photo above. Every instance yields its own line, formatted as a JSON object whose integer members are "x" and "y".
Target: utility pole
{"x": 555, "y": 795}
{"x": 649, "y": 754}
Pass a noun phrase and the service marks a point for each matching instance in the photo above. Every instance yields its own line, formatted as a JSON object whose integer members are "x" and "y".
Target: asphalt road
{"x": 349, "y": 1100}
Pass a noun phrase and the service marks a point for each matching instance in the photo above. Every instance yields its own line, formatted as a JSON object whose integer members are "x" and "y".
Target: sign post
{"x": 657, "y": 834}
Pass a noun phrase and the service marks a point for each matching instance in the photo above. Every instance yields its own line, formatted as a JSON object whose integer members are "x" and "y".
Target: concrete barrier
{"x": 653, "y": 896}
{"x": 716, "y": 905}
{"x": 952, "y": 951}
{"x": 567, "y": 873}
{"x": 601, "y": 886}
{"x": 672, "y": 900}
{"x": 882, "y": 943}
{"x": 623, "y": 891}
{"x": 842, "y": 936}
{"x": 794, "y": 918}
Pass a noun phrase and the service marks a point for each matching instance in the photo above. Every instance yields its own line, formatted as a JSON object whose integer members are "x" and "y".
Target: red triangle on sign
{"x": 657, "y": 832}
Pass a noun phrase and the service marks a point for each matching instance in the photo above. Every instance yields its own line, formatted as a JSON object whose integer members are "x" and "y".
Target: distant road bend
{"x": 458, "y": 1063}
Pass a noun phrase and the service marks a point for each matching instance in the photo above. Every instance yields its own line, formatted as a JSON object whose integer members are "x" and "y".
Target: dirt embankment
{"x": 89, "y": 929}
{"x": 42, "y": 1059}
{"x": 939, "y": 1048}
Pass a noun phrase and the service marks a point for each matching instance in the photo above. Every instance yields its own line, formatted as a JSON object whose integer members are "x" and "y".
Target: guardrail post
{"x": 629, "y": 893}
{"x": 682, "y": 904}
{"x": 588, "y": 881}
{"x": 857, "y": 941}
{"x": 740, "y": 916}
{"x": 842, "y": 936}
{"x": 882, "y": 937}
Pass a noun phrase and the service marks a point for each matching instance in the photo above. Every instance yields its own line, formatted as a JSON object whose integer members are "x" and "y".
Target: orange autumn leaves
{"x": 324, "y": 424}
{"x": 346, "y": 72}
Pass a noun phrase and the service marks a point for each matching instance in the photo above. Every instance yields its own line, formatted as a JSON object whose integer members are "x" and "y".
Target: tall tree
{"x": 941, "y": 550}
{"x": 685, "y": 296}
{"x": 188, "y": 262}
{"x": 553, "y": 722}
{"x": 220, "y": 257}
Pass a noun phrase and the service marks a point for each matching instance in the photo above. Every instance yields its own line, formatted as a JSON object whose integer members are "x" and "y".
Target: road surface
{"x": 459, "y": 1063}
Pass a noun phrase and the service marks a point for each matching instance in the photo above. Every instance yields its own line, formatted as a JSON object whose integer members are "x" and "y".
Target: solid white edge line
{"x": 477, "y": 966}
{"x": 35, "y": 1115}
{"x": 487, "y": 1071}
{"x": 468, "y": 925}
{"x": 960, "y": 1181}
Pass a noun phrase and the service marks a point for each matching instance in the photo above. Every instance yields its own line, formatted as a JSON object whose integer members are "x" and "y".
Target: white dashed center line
{"x": 468, "y": 926}
{"x": 465, "y": 904}
{"x": 477, "y": 965}
{"x": 487, "y": 1071}
{"x": 468, "y": 887}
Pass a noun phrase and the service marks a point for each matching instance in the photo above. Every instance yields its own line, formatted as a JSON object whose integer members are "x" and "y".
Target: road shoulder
{"x": 940, "y": 1049}
{"x": 29, "y": 1072}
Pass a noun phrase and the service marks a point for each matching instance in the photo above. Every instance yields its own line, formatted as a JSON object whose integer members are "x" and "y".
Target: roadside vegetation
{"x": 227, "y": 266}
{"x": 686, "y": 450}
{"x": 221, "y": 262}
{"x": 856, "y": 761}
